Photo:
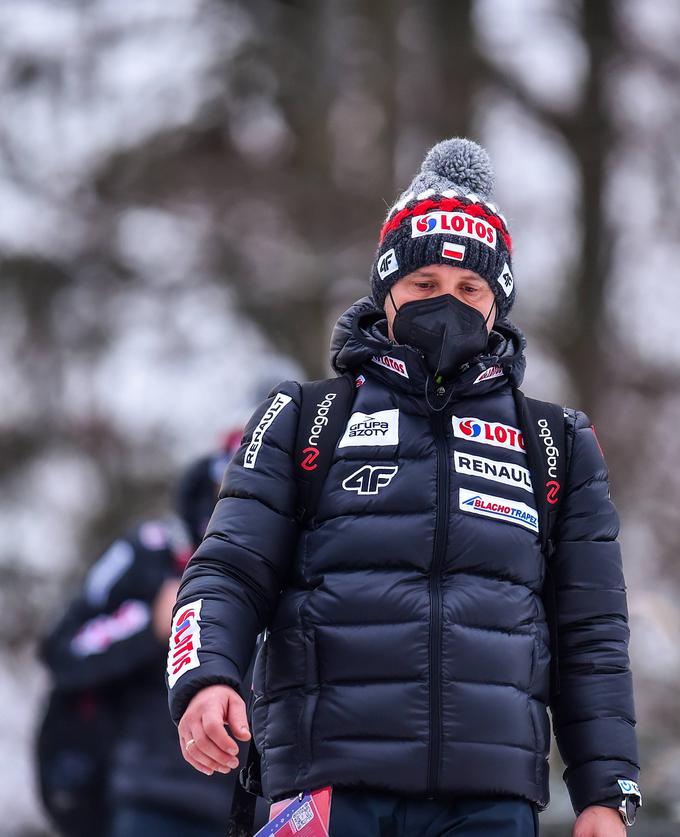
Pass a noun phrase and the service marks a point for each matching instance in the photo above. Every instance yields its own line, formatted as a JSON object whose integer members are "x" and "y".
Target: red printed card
{"x": 306, "y": 815}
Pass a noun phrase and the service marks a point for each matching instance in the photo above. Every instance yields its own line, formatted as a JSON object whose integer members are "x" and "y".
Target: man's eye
{"x": 425, "y": 286}
{"x": 471, "y": 289}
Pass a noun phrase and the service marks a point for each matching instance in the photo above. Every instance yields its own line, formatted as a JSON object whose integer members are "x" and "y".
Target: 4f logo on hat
{"x": 388, "y": 264}
{"x": 505, "y": 280}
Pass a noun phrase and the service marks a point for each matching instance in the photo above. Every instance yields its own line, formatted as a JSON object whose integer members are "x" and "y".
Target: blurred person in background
{"x": 407, "y": 657}
{"x": 109, "y": 762}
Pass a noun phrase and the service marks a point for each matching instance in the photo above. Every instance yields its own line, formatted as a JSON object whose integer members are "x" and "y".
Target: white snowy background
{"x": 164, "y": 262}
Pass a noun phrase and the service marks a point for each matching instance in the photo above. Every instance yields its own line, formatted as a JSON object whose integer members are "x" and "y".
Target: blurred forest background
{"x": 190, "y": 192}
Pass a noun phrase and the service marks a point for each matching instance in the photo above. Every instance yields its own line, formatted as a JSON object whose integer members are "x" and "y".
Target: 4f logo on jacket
{"x": 370, "y": 429}
{"x": 370, "y": 479}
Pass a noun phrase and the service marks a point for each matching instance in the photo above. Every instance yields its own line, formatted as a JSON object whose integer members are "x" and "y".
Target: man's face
{"x": 438, "y": 279}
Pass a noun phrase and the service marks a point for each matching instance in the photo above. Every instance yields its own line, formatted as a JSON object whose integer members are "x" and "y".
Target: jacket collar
{"x": 360, "y": 344}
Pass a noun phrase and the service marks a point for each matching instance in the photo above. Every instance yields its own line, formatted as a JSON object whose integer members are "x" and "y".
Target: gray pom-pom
{"x": 464, "y": 163}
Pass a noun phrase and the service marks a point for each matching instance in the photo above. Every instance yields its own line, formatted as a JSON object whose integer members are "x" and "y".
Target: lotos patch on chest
{"x": 492, "y": 433}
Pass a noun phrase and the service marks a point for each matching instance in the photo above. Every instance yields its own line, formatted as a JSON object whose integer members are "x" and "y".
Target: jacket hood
{"x": 360, "y": 343}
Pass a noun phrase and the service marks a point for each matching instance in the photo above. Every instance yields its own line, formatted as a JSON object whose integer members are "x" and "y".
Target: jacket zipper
{"x": 440, "y": 538}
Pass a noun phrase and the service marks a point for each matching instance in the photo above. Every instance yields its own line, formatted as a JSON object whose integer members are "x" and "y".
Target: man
{"x": 406, "y": 661}
{"x": 109, "y": 651}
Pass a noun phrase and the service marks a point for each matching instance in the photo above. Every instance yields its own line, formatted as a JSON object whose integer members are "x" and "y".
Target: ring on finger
{"x": 189, "y": 743}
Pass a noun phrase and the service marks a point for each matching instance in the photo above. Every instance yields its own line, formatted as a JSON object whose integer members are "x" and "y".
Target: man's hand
{"x": 599, "y": 821}
{"x": 205, "y": 743}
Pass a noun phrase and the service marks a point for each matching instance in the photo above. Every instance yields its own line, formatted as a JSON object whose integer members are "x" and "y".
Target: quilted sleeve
{"x": 593, "y": 714}
{"x": 232, "y": 583}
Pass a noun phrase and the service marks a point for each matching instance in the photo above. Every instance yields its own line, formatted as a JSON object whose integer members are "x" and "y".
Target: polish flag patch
{"x": 453, "y": 251}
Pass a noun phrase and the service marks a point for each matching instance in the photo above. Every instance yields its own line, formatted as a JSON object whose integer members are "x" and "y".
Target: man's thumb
{"x": 237, "y": 719}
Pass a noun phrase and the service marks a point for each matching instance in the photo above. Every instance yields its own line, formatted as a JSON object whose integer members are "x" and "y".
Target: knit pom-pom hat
{"x": 446, "y": 217}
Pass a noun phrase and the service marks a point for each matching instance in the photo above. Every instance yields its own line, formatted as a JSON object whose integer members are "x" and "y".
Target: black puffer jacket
{"x": 407, "y": 646}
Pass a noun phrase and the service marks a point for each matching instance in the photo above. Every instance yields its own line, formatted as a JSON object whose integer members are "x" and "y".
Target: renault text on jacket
{"x": 279, "y": 402}
{"x": 492, "y": 469}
